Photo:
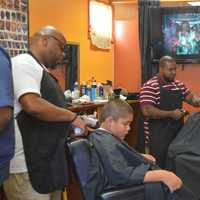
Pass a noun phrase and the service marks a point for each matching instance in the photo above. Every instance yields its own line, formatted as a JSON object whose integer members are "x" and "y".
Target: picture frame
{"x": 14, "y": 26}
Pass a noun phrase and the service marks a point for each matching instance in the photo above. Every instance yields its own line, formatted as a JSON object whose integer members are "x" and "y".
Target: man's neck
{"x": 37, "y": 56}
{"x": 162, "y": 80}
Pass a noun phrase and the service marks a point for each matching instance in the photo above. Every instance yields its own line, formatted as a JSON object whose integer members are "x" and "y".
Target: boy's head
{"x": 116, "y": 117}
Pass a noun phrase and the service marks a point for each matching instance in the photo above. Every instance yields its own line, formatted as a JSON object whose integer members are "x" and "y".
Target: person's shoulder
{"x": 98, "y": 133}
{"x": 153, "y": 82}
{"x": 179, "y": 83}
{"x": 101, "y": 136}
{"x": 21, "y": 58}
{"x": 151, "y": 85}
{"x": 25, "y": 62}
{"x": 103, "y": 141}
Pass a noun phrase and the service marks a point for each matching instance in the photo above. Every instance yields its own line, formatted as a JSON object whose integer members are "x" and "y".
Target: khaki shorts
{"x": 18, "y": 187}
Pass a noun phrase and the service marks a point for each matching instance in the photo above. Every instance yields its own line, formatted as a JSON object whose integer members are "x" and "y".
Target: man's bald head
{"x": 165, "y": 60}
{"x": 49, "y": 31}
{"x": 167, "y": 68}
{"x": 47, "y": 44}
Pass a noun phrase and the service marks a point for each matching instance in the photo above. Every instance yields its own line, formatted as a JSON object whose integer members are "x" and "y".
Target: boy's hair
{"x": 116, "y": 108}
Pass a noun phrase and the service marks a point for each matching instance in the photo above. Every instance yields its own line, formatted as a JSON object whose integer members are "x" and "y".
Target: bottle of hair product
{"x": 100, "y": 90}
{"x": 83, "y": 88}
{"x": 93, "y": 89}
{"x": 88, "y": 91}
{"x": 76, "y": 91}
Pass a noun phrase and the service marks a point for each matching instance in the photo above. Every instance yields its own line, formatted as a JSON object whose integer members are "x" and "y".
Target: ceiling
{"x": 163, "y": 2}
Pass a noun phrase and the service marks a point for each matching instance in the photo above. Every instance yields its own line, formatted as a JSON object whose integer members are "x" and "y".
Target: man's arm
{"x": 172, "y": 181}
{"x": 116, "y": 166}
{"x": 6, "y": 115}
{"x": 148, "y": 100}
{"x": 151, "y": 111}
{"x": 6, "y": 90}
{"x": 43, "y": 110}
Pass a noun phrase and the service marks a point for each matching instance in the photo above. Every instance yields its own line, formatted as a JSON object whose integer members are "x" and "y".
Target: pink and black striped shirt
{"x": 150, "y": 95}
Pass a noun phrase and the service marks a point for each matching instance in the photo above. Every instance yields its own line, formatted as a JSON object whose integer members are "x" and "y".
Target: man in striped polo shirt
{"x": 161, "y": 101}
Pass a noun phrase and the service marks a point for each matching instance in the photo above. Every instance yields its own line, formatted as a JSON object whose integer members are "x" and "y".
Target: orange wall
{"x": 190, "y": 75}
{"x": 71, "y": 17}
{"x": 127, "y": 56}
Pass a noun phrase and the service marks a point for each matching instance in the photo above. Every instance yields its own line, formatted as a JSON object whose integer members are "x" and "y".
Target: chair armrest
{"x": 130, "y": 193}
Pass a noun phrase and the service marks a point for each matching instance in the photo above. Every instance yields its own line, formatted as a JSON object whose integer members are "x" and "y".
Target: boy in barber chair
{"x": 122, "y": 166}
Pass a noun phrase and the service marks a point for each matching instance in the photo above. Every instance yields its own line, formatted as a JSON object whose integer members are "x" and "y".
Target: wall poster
{"x": 14, "y": 26}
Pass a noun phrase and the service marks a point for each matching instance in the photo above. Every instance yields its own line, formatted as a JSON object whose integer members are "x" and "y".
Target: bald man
{"x": 42, "y": 120}
{"x": 161, "y": 101}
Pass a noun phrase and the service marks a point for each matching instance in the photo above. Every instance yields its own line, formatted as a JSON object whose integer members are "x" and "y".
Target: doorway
{"x": 72, "y": 54}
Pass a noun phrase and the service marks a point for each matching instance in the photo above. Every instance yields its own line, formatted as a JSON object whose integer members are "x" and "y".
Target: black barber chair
{"x": 184, "y": 154}
{"x": 80, "y": 153}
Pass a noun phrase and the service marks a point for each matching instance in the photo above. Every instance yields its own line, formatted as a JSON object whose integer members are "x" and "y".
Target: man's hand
{"x": 177, "y": 114}
{"x": 78, "y": 122}
{"x": 171, "y": 180}
{"x": 153, "y": 112}
{"x": 193, "y": 100}
{"x": 5, "y": 116}
{"x": 196, "y": 101}
{"x": 149, "y": 157}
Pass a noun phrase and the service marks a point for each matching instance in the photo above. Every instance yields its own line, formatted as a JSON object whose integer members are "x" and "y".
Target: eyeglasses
{"x": 60, "y": 43}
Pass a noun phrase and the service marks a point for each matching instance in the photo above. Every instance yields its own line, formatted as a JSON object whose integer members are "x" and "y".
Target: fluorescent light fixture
{"x": 194, "y": 3}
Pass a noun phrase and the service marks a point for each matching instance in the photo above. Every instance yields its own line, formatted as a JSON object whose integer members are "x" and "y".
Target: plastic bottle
{"x": 76, "y": 85}
{"x": 101, "y": 90}
{"x": 83, "y": 88}
{"x": 94, "y": 90}
{"x": 76, "y": 91}
{"x": 88, "y": 91}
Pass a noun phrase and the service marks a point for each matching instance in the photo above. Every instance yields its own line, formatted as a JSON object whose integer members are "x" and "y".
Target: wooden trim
{"x": 136, "y": 1}
{"x": 125, "y": 2}
{"x": 177, "y": 1}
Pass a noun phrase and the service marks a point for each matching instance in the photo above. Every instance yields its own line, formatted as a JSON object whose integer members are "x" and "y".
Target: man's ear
{"x": 44, "y": 40}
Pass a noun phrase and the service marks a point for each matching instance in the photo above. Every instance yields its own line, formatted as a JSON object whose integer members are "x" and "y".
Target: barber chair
{"x": 80, "y": 154}
{"x": 186, "y": 166}
{"x": 184, "y": 154}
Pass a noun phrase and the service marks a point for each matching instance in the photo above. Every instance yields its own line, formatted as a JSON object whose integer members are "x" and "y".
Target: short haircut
{"x": 116, "y": 109}
{"x": 165, "y": 60}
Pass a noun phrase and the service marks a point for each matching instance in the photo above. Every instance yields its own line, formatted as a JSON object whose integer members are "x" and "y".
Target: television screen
{"x": 181, "y": 34}
{"x": 175, "y": 31}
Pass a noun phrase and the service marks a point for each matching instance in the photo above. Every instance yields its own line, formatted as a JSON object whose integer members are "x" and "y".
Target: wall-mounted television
{"x": 175, "y": 31}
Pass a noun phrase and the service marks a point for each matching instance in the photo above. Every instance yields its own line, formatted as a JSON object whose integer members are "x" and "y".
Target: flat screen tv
{"x": 175, "y": 31}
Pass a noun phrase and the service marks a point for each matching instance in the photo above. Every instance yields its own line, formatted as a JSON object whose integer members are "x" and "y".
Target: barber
{"x": 40, "y": 164}
{"x": 161, "y": 100}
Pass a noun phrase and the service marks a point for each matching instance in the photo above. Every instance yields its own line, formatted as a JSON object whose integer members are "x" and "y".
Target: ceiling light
{"x": 194, "y": 3}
